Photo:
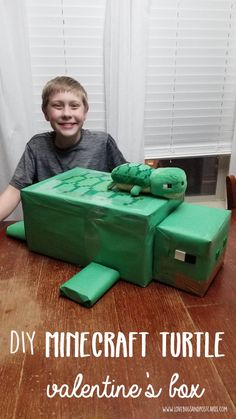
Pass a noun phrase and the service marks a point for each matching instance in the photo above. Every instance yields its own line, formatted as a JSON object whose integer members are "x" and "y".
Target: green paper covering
{"x": 189, "y": 247}
{"x": 88, "y": 285}
{"x": 74, "y": 217}
{"x": 16, "y": 230}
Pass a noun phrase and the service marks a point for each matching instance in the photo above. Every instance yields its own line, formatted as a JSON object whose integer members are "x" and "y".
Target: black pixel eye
{"x": 167, "y": 185}
{"x": 190, "y": 259}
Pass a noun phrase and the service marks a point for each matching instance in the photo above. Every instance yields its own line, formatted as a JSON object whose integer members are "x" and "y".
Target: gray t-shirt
{"x": 43, "y": 159}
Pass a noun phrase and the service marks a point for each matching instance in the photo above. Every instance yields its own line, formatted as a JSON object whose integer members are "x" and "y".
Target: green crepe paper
{"x": 87, "y": 286}
{"x": 75, "y": 218}
{"x": 16, "y": 230}
{"x": 199, "y": 231}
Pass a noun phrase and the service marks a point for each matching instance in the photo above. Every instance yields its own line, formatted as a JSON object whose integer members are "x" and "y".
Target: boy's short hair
{"x": 63, "y": 84}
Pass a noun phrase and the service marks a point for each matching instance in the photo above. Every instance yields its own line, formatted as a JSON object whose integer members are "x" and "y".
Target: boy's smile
{"x": 66, "y": 113}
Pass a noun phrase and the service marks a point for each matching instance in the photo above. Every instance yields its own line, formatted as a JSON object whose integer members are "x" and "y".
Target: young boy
{"x": 65, "y": 106}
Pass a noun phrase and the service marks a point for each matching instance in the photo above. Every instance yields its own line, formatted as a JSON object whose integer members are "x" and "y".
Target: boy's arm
{"x": 9, "y": 199}
{"x": 114, "y": 155}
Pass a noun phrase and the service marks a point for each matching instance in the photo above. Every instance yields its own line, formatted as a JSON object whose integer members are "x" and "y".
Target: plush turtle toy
{"x": 165, "y": 182}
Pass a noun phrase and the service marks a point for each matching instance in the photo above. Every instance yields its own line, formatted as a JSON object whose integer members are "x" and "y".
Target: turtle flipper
{"x": 112, "y": 186}
{"x": 88, "y": 285}
{"x": 135, "y": 190}
{"x": 16, "y": 230}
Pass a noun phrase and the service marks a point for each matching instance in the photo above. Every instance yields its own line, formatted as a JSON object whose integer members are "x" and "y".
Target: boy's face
{"x": 66, "y": 113}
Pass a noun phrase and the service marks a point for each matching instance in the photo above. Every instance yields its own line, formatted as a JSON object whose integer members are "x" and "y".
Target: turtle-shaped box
{"x": 74, "y": 217}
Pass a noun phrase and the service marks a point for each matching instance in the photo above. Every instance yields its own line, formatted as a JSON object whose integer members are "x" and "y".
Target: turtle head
{"x": 168, "y": 182}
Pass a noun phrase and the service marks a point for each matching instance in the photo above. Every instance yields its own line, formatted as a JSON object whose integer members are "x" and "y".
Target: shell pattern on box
{"x": 77, "y": 217}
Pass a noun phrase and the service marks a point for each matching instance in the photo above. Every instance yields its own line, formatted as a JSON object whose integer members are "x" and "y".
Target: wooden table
{"x": 30, "y": 303}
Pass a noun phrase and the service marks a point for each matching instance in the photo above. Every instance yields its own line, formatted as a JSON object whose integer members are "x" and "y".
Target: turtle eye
{"x": 167, "y": 185}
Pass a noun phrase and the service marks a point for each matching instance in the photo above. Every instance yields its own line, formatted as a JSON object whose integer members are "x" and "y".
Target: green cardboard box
{"x": 190, "y": 246}
{"x": 73, "y": 217}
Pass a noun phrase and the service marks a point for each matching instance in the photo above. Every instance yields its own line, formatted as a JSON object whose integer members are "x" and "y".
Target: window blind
{"x": 66, "y": 38}
{"x": 191, "y": 78}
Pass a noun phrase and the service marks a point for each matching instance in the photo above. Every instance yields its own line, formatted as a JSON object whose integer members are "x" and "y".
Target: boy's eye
{"x": 57, "y": 105}
{"x": 75, "y": 105}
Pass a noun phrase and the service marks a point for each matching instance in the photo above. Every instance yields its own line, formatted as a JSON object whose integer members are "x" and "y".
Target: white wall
{"x": 232, "y": 167}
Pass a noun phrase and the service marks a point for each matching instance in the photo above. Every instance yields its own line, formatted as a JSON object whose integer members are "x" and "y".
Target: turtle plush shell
{"x": 132, "y": 174}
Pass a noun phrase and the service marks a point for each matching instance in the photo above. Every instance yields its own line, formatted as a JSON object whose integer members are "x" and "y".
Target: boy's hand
{"x": 9, "y": 199}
